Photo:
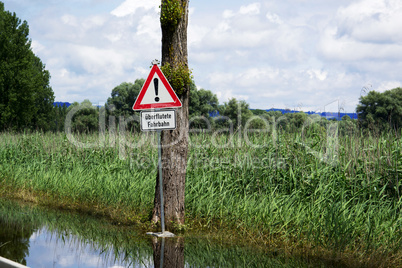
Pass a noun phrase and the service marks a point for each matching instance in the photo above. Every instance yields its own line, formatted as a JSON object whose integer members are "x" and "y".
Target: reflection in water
{"x": 49, "y": 249}
{"x": 14, "y": 241}
{"x": 168, "y": 252}
{"x": 44, "y": 238}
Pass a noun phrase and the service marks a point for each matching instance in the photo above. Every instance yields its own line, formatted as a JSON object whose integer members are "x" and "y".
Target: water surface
{"x": 39, "y": 237}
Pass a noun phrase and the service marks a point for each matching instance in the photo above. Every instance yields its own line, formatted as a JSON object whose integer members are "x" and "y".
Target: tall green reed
{"x": 271, "y": 185}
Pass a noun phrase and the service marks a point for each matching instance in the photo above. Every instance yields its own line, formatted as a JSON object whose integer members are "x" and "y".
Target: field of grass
{"x": 281, "y": 189}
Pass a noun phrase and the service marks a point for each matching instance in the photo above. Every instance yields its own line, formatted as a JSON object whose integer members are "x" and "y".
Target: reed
{"x": 276, "y": 185}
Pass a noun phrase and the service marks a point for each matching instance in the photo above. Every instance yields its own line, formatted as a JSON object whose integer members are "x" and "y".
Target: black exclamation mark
{"x": 156, "y": 89}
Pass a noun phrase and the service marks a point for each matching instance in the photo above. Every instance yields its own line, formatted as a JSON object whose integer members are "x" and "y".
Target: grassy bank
{"x": 286, "y": 189}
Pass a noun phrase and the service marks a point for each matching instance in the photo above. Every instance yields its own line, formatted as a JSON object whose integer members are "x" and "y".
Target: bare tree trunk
{"x": 174, "y": 142}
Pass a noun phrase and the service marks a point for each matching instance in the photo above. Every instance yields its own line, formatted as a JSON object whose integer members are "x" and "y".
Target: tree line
{"x": 376, "y": 111}
{"x": 203, "y": 106}
{"x": 26, "y": 99}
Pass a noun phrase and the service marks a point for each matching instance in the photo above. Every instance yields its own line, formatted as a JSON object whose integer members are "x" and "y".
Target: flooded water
{"x": 38, "y": 237}
{"x": 47, "y": 249}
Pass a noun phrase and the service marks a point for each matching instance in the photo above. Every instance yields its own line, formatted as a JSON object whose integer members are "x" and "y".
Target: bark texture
{"x": 174, "y": 142}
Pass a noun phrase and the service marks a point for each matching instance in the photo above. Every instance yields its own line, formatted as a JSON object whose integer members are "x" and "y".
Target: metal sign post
{"x": 161, "y": 180}
{"x": 164, "y": 233}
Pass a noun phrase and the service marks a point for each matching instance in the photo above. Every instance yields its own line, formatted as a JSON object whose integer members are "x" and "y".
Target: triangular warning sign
{"x": 156, "y": 93}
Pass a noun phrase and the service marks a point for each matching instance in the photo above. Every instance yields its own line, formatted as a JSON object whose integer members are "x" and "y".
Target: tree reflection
{"x": 168, "y": 252}
{"x": 14, "y": 241}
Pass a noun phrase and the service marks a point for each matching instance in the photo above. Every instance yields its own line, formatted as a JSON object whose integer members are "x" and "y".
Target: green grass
{"x": 51, "y": 164}
{"x": 276, "y": 191}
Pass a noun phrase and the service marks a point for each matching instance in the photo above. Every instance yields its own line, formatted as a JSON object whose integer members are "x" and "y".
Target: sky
{"x": 310, "y": 55}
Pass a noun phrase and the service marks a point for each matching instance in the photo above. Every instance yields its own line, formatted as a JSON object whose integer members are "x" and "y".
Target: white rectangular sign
{"x": 158, "y": 120}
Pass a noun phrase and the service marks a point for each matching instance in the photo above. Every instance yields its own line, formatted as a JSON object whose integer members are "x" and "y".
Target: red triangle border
{"x": 176, "y": 101}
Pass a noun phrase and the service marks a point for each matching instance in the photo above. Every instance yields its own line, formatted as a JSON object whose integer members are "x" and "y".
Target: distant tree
{"x": 259, "y": 112}
{"x": 236, "y": 110}
{"x": 202, "y": 103}
{"x": 297, "y": 120}
{"x": 60, "y": 112}
{"x": 347, "y": 125}
{"x": 123, "y": 97}
{"x": 282, "y": 122}
{"x": 261, "y": 119}
{"x": 26, "y": 99}
{"x": 275, "y": 114}
{"x": 121, "y": 102}
{"x": 85, "y": 117}
{"x": 382, "y": 110}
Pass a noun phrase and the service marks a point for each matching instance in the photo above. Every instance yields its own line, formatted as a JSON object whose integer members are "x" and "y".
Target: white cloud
{"x": 274, "y": 18}
{"x": 69, "y": 20}
{"x": 130, "y": 7}
{"x": 37, "y": 47}
{"x": 94, "y": 21}
{"x": 196, "y": 33}
{"x": 272, "y": 53}
{"x": 364, "y": 27}
{"x": 308, "y": 89}
{"x": 114, "y": 37}
{"x": 387, "y": 85}
{"x": 252, "y": 9}
{"x": 227, "y": 14}
{"x": 149, "y": 25}
{"x": 317, "y": 74}
{"x": 96, "y": 60}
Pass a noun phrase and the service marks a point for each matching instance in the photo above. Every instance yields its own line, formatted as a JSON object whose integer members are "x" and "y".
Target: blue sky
{"x": 298, "y": 54}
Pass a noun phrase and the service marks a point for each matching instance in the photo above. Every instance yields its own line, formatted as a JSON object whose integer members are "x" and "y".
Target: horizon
{"x": 327, "y": 114}
{"x": 285, "y": 54}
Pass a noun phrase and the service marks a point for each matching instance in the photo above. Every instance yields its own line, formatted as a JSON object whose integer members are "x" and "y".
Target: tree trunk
{"x": 174, "y": 142}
